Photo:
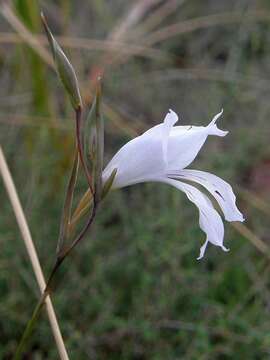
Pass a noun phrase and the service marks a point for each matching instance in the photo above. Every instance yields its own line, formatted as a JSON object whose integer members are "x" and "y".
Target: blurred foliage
{"x": 28, "y": 11}
{"x": 133, "y": 289}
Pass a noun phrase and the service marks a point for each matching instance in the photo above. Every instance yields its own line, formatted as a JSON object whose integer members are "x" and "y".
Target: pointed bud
{"x": 64, "y": 68}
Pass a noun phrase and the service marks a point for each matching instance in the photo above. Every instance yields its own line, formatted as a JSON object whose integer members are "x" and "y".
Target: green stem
{"x": 31, "y": 323}
{"x": 29, "y": 328}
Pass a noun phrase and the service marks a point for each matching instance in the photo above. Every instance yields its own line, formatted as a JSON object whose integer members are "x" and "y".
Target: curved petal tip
{"x": 239, "y": 217}
{"x": 225, "y": 249}
{"x": 171, "y": 117}
{"x": 216, "y": 117}
{"x": 202, "y": 250}
{"x": 214, "y": 129}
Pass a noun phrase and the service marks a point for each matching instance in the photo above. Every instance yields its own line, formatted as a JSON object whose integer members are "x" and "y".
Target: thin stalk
{"x": 48, "y": 290}
{"x": 27, "y": 238}
{"x": 29, "y": 329}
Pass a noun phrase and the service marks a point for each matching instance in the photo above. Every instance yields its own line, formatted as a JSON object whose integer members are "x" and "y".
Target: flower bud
{"x": 64, "y": 68}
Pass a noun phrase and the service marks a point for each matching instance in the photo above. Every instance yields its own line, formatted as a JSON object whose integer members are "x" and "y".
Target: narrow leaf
{"x": 100, "y": 142}
{"x": 81, "y": 209}
{"x": 89, "y": 137}
{"x": 66, "y": 213}
{"x": 108, "y": 184}
{"x": 94, "y": 142}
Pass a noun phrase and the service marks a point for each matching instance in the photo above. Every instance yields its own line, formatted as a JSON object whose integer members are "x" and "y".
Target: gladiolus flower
{"x": 162, "y": 154}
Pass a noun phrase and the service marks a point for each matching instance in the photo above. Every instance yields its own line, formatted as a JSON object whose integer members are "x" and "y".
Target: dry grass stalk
{"x": 26, "y": 235}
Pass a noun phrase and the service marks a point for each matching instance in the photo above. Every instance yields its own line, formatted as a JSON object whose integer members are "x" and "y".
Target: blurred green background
{"x": 133, "y": 289}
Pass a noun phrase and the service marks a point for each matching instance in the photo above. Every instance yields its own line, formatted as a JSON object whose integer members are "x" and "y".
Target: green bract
{"x": 64, "y": 69}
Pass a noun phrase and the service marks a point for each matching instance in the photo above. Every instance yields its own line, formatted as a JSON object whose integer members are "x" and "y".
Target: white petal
{"x": 209, "y": 219}
{"x": 144, "y": 156}
{"x": 202, "y": 250}
{"x": 170, "y": 119}
{"x": 186, "y": 141}
{"x": 214, "y": 120}
{"x": 219, "y": 188}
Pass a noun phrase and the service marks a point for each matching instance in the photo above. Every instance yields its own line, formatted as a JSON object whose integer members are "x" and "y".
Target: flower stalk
{"x": 30, "y": 327}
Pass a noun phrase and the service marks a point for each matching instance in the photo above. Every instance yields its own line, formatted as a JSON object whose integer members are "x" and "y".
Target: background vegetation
{"x": 134, "y": 289}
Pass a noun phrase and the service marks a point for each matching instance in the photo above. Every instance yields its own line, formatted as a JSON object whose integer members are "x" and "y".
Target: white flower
{"x": 161, "y": 154}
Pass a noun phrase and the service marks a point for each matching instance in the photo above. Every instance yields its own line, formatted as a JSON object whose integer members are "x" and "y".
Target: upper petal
{"x": 220, "y": 189}
{"x": 170, "y": 119}
{"x": 165, "y": 129}
{"x": 186, "y": 141}
{"x": 144, "y": 156}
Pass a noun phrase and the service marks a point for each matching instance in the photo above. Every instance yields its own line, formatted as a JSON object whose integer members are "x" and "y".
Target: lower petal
{"x": 219, "y": 189}
{"x": 209, "y": 219}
